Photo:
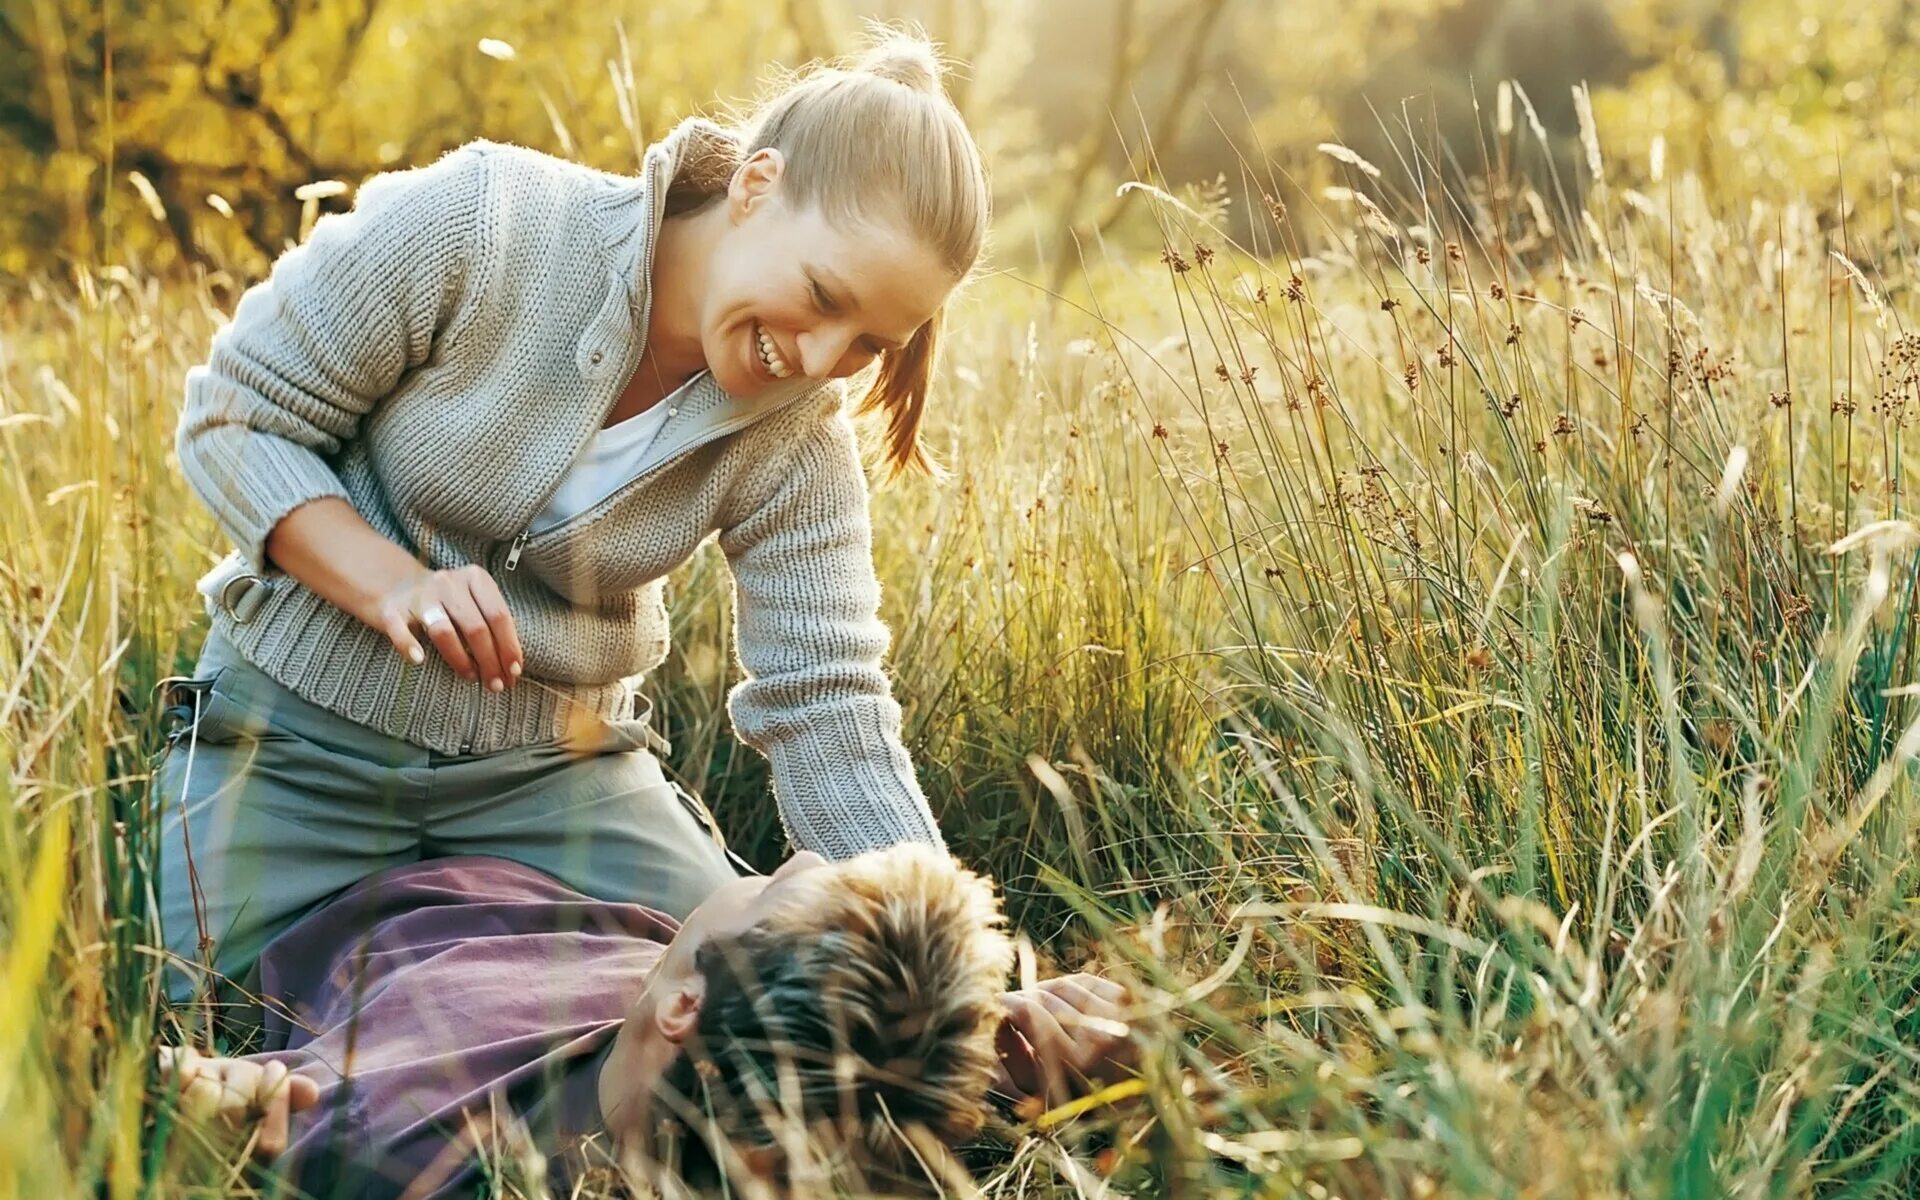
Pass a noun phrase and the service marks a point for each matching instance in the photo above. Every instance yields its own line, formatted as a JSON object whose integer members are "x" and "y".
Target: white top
{"x": 608, "y": 462}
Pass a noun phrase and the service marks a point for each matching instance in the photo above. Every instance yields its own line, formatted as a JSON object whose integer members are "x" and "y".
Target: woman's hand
{"x": 463, "y": 614}
{"x": 1063, "y": 1035}
{"x": 327, "y": 545}
{"x": 238, "y": 1092}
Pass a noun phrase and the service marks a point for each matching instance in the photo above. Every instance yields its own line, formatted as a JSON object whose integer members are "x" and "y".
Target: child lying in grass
{"x": 431, "y": 1010}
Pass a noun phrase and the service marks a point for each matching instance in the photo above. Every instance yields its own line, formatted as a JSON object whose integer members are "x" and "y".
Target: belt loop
{"x": 704, "y": 817}
{"x": 243, "y": 606}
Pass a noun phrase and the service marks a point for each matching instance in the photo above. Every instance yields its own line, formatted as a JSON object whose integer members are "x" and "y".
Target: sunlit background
{"x": 1425, "y": 588}
{"x": 223, "y": 110}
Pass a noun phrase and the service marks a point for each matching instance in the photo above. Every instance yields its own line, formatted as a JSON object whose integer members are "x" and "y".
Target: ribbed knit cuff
{"x": 252, "y": 480}
{"x": 844, "y": 781}
{"x": 326, "y": 657}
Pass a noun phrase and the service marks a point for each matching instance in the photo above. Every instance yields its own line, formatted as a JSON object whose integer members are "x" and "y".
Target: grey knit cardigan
{"x": 437, "y": 356}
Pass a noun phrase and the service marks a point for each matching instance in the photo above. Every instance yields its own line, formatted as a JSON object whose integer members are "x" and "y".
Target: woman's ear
{"x": 755, "y": 181}
{"x": 677, "y": 1014}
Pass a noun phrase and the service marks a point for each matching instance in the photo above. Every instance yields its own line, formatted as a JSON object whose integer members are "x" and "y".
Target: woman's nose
{"x": 821, "y": 351}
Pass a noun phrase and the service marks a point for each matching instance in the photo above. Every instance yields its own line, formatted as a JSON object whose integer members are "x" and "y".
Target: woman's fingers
{"x": 1063, "y": 1033}
{"x": 499, "y": 619}
{"x": 1094, "y": 1010}
{"x": 477, "y": 636}
{"x": 433, "y": 616}
{"x": 464, "y": 616}
{"x": 1081, "y": 1044}
{"x": 398, "y": 626}
{"x": 1103, "y": 1046}
{"x": 1106, "y": 989}
{"x": 1018, "y": 1063}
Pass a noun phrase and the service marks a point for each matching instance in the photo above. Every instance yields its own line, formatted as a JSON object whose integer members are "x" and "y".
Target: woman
{"x": 460, "y": 437}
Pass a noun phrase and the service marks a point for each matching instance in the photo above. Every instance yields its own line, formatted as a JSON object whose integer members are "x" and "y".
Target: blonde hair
{"x": 860, "y": 1015}
{"x": 869, "y": 138}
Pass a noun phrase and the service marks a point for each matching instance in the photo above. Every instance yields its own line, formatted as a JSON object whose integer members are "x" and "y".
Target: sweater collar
{"x": 630, "y": 211}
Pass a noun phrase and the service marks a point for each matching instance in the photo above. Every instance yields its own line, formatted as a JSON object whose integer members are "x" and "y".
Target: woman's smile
{"x": 769, "y": 362}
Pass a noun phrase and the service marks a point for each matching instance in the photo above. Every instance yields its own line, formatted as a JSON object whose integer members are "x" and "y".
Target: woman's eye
{"x": 820, "y": 299}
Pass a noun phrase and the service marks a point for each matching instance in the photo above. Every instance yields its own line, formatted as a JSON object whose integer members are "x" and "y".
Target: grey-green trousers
{"x": 269, "y": 804}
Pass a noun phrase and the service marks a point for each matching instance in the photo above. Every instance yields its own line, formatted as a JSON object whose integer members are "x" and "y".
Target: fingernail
{"x": 496, "y": 685}
{"x": 417, "y": 655}
{"x": 515, "y": 669}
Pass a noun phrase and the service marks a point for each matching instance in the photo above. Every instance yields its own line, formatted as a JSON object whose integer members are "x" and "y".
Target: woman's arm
{"x": 313, "y": 349}
{"x": 327, "y": 545}
{"x": 816, "y": 700}
{"x": 315, "y": 346}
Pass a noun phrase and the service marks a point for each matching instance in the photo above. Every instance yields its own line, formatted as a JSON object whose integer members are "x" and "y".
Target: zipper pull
{"x": 513, "y": 555}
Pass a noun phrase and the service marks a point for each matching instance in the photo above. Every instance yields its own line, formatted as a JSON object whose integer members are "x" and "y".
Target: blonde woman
{"x": 461, "y": 435}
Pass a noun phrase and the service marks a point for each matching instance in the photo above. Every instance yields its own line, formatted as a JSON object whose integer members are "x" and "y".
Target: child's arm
{"x": 237, "y": 1092}
{"x": 1063, "y": 1034}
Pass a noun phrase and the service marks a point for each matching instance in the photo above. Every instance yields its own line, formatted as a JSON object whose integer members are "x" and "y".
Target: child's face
{"x": 732, "y": 908}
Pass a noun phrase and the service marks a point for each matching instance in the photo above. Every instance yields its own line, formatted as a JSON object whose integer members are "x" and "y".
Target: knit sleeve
{"x": 815, "y": 700}
{"x": 317, "y": 344}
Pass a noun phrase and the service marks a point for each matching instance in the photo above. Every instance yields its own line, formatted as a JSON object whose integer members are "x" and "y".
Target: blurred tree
{"x": 1772, "y": 94}
{"x": 225, "y": 107}
{"x": 1193, "y": 24}
{"x": 1464, "y": 50}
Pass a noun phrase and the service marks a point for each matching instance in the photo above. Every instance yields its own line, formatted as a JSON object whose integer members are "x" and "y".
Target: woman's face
{"x": 820, "y": 301}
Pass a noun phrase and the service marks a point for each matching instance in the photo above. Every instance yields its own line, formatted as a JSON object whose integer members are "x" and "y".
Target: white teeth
{"x": 770, "y": 355}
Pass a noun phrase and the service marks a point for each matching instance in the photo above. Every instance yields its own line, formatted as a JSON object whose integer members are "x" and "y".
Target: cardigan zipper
{"x": 679, "y": 452}
{"x": 520, "y": 540}
{"x": 646, "y": 319}
{"x": 519, "y": 544}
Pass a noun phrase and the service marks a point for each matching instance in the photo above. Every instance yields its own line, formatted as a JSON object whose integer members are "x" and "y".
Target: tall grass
{"x": 1455, "y": 655}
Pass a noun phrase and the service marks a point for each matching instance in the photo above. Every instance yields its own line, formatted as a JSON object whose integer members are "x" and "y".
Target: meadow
{"x": 1454, "y": 655}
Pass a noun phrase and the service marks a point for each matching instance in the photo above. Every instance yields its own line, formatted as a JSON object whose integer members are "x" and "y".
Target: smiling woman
{"x": 826, "y": 247}
{"x": 756, "y": 274}
{"x": 488, "y": 411}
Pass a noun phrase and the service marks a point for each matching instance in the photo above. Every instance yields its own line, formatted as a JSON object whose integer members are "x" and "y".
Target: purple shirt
{"x": 427, "y": 997}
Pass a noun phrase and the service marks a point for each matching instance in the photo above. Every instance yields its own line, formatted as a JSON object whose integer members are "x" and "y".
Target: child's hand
{"x": 1063, "y": 1035}
{"x": 238, "y": 1092}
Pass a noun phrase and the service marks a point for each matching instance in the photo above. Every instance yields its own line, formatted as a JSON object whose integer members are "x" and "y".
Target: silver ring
{"x": 435, "y": 616}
